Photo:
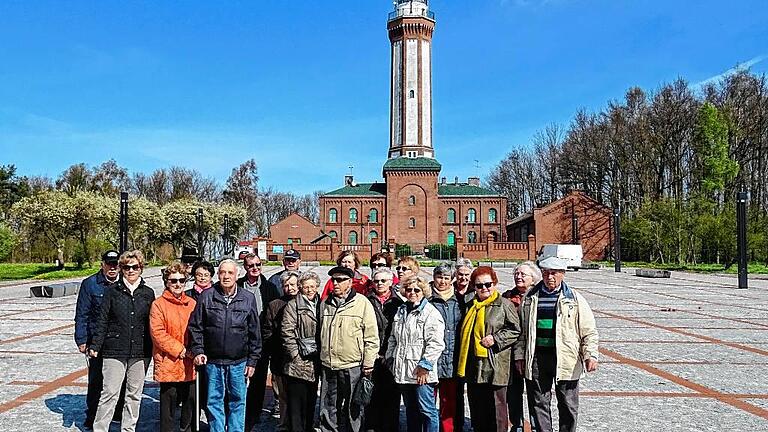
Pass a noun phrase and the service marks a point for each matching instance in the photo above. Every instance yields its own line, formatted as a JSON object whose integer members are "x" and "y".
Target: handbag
{"x": 363, "y": 391}
{"x": 307, "y": 345}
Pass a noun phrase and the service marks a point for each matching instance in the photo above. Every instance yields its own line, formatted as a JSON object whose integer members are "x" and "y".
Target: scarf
{"x": 445, "y": 295}
{"x": 385, "y": 297}
{"x": 200, "y": 289}
{"x": 473, "y": 328}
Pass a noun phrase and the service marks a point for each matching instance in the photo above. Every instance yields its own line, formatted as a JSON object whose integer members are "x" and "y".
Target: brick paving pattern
{"x": 688, "y": 353}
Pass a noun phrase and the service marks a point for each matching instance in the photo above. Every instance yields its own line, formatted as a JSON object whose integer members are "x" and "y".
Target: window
{"x": 451, "y": 217}
{"x": 353, "y": 237}
{"x": 411, "y": 94}
{"x": 492, "y": 215}
{"x": 294, "y": 241}
{"x": 411, "y": 154}
{"x": 373, "y": 215}
{"x": 471, "y": 216}
{"x": 451, "y": 238}
{"x": 353, "y": 215}
{"x": 411, "y": 200}
{"x": 471, "y": 237}
{"x": 332, "y": 215}
{"x": 411, "y": 223}
{"x": 372, "y": 235}
{"x": 494, "y": 236}
{"x": 332, "y": 234}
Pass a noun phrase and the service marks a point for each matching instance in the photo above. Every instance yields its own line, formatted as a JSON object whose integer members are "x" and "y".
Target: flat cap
{"x": 553, "y": 263}
{"x": 341, "y": 270}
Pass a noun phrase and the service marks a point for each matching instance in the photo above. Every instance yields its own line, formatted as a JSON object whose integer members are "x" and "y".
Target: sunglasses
{"x": 247, "y": 266}
{"x": 413, "y": 290}
{"x": 380, "y": 281}
{"x": 340, "y": 279}
{"x": 134, "y": 267}
{"x": 402, "y": 268}
{"x": 179, "y": 280}
{"x": 377, "y": 265}
{"x": 483, "y": 285}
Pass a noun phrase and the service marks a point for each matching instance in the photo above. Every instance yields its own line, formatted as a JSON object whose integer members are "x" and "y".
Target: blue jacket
{"x": 452, "y": 312}
{"x": 88, "y": 306}
{"x": 225, "y": 333}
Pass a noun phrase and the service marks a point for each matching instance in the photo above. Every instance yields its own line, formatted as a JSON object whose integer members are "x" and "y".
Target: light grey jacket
{"x": 417, "y": 339}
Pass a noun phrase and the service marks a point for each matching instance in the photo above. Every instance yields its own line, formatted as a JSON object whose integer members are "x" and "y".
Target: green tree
{"x": 7, "y": 242}
{"x": 711, "y": 138}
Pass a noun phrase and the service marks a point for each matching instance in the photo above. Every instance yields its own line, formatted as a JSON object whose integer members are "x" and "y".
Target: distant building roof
{"x": 463, "y": 189}
{"x": 410, "y": 164}
{"x": 521, "y": 218}
{"x": 362, "y": 189}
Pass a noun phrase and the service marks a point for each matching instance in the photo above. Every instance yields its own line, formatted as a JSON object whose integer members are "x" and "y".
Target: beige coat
{"x": 576, "y": 336}
{"x": 349, "y": 335}
{"x": 299, "y": 321}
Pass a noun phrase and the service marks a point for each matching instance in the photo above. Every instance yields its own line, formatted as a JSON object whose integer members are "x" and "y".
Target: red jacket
{"x": 168, "y": 319}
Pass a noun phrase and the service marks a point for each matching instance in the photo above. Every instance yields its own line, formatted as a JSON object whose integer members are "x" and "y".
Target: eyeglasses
{"x": 402, "y": 268}
{"x": 377, "y": 265}
{"x": 134, "y": 267}
{"x": 175, "y": 281}
{"x": 483, "y": 285}
{"x": 380, "y": 281}
{"x": 340, "y": 279}
{"x": 522, "y": 274}
{"x": 413, "y": 290}
{"x": 202, "y": 274}
{"x": 248, "y": 266}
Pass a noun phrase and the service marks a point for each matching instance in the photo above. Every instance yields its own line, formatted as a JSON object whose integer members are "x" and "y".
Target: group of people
{"x": 364, "y": 341}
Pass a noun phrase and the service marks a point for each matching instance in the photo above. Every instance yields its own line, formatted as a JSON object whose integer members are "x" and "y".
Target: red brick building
{"x": 294, "y": 229}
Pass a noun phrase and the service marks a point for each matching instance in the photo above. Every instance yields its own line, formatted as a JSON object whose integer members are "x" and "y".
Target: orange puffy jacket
{"x": 168, "y": 319}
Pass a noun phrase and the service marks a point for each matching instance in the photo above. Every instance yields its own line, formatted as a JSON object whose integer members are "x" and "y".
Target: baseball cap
{"x": 110, "y": 257}
{"x": 292, "y": 254}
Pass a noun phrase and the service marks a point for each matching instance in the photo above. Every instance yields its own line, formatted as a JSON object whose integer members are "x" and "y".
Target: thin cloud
{"x": 738, "y": 68}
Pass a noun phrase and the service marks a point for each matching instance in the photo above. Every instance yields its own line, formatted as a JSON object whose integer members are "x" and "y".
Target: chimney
{"x": 456, "y": 180}
{"x": 474, "y": 181}
{"x": 442, "y": 181}
{"x": 349, "y": 180}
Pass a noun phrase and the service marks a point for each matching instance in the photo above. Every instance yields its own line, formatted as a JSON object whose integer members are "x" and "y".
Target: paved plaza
{"x": 688, "y": 353}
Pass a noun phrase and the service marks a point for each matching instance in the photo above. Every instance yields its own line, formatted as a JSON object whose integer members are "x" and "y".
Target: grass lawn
{"x": 752, "y": 268}
{"x": 9, "y": 271}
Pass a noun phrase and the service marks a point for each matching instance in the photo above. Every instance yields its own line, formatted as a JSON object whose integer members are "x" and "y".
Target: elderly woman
{"x": 406, "y": 267}
{"x": 413, "y": 350}
{"x": 383, "y": 413}
{"x": 463, "y": 270}
{"x": 301, "y": 357}
{"x": 271, "y": 330}
{"x": 121, "y": 338}
{"x": 490, "y": 327}
{"x": 380, "y": 260}
{"x": 450, "y": 387}
{"x": 526, "y": 275}
{"x": 350, "y": 260}
{"x": 174, "y": 370}
{"x": 202, "y": 275}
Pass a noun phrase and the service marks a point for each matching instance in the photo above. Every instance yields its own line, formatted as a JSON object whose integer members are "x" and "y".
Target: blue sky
{"x": 303, "y": 86}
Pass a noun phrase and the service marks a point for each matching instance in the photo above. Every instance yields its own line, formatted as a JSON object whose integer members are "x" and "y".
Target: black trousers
{"x": 254, "y": 399}
{"x": 171, "y": 394}
{"x": 302, "y": 397}
{"x": 515, "y": 402}
{"x": 383, "y": 413}
{"x": 95, "y": 385}
{"x": 488, "y": 407}
{"x": 544, "y": 368}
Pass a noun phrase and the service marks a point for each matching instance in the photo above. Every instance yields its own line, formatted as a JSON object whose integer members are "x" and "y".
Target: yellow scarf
{"x": 474, "y": 327}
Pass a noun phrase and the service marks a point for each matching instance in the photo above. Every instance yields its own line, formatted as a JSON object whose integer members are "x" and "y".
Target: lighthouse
{"x": 410, "y": 28}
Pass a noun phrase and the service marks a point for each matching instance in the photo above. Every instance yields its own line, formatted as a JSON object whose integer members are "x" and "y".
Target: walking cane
{"x": 197, "y": 398}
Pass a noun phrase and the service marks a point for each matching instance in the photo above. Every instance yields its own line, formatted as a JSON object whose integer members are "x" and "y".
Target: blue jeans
{"x": 226, "y": 380}
{"x": 420, "y": 408}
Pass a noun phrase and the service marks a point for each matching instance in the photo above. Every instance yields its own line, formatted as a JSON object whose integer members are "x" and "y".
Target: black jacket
{"x": 225, "y": 333}
{"x": 268, "y": 292}
{"x": 385, "y": 313}
{"x": 122, "y": 327}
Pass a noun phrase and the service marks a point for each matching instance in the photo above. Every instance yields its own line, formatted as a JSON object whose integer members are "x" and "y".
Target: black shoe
{"x": 88, "y": 423}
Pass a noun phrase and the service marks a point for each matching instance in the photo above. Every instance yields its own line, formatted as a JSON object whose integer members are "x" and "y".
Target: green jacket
{"x": 503, "y": 323}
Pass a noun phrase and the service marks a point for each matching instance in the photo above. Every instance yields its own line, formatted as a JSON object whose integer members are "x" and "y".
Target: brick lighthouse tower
{"x": 410, "y": 28}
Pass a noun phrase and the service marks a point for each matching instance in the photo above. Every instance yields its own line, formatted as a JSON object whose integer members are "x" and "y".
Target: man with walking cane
{"x": 225, "y": 338}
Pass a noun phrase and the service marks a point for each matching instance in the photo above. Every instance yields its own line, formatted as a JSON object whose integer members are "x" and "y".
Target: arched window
{"x": 412, "y": 223}
{"x": 353, "y": 215}
{"x": 332, "y": 234}
{"x": 471, "y": 215}
{"x": 333, "y": 215}
{"x": 373, "y": 215}
{"x": 451, "y": 217}
{"x": 372, "y": 235}
{"x": 411, "y": 200}
{"x": 492, "y": 215}
{"x": 412, "y": 94}
{"x": 353, "y": 237}
{"x": 471, "y": 237}
{"x": 450, "y": 240}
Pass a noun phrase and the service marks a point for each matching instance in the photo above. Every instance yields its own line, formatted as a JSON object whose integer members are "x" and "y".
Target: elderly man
{"x": 89, "y": 299}
{"x": 349, "y": 345}
{"x": 557, "y": 343}
{"x": 225, "y": 337}
{"x": 264, "y": 292}
{"x": 291, "y": 262}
